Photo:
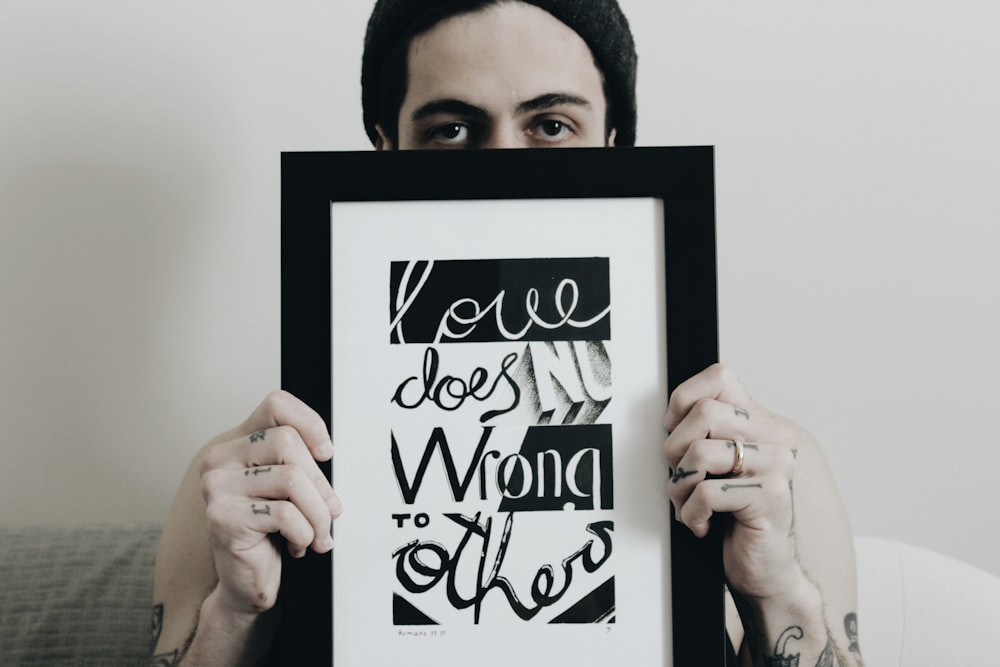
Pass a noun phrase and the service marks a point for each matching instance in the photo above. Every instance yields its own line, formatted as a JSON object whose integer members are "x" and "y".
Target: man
{"x": 509, "y": 74}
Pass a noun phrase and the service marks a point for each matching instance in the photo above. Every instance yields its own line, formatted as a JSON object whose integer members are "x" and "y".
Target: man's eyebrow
{"x": 550, "y": 100}
{"x": 449, "y": 106}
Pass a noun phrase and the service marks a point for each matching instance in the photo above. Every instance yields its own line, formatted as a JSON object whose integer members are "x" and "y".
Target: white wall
{"x": 857, "y": 164}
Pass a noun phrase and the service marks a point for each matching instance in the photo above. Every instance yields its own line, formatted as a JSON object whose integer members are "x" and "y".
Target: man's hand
{"x": 708, "y": 417}
{"x": 262, "y": 480}
{"x": 247, "y": 494}
{"x": 787, "y": 548}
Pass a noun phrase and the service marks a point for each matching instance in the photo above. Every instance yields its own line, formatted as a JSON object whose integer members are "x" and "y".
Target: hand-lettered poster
{"x": 499, "y": 383}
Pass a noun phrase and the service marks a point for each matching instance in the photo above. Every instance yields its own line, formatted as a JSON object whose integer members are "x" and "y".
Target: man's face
{"x": 510, "y": 76}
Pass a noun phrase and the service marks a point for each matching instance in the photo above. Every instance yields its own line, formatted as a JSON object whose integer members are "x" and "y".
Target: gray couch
{"x": 83, "y": 596}
{"x": 76, "y": 595}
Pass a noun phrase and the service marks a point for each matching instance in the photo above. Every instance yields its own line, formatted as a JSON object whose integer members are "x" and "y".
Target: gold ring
{"x": 738, "y": 461}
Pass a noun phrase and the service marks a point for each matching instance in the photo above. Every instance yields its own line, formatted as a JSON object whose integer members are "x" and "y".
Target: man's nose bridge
{"x": 504, "y": 135}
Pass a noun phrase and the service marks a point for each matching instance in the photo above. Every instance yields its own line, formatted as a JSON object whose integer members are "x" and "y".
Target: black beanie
{"x": 600, "y": 23}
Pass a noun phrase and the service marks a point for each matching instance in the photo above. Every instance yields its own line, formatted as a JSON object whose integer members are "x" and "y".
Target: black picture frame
{"x": 682, "y": 178}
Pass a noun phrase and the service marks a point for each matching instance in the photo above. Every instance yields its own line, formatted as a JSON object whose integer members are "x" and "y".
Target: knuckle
{"x": 285, "y": 514}
{"x": 699, "y": 494}
{"x": 776, "y": 492}
{"x": 696, "y": 510}
{"x": 217, "y": 519}
{"x": 680, "y": 457}
{"x": 275, "y": 399}
{"x": 699, "y": 452}
{"x": 293, "y": 479}
{"x": 785, "y": 432}
{"x": 680, "y": 493}
{"x": 211, "y": 482}
{"x": 703, "y": 408}
{"x": 672, "y": 452}
{"x": 721, "y": 372}
{"x": 678, "y": 402}
{"x": 680, "y": 398}
{"x": 697, "y": 499}
{"x": 210, "y": 458}
{"x": 777, "y": 461}
{"x": 286, "y": 441}
{"x": 298, "y": 538}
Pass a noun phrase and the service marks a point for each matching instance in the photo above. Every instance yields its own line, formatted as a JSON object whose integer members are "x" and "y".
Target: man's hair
{"x": 394, "y": 23}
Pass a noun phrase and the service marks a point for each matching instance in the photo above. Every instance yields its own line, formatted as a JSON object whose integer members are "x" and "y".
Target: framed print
{"x": 492, "y": 337}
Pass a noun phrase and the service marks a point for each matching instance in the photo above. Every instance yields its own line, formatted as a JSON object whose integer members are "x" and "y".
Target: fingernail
{"x": 325, "y": 451}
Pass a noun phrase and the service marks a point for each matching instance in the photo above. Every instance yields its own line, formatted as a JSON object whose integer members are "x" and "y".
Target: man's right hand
{"x": 249, "y": 492}
{"x": 262, "y": 480}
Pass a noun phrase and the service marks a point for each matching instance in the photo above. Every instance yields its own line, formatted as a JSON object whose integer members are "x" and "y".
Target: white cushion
{"x": 917, "y": 608}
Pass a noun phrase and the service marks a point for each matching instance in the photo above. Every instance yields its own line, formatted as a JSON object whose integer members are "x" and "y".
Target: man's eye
{"x": 452, "y": 133}
{"x": 552, "y": 129}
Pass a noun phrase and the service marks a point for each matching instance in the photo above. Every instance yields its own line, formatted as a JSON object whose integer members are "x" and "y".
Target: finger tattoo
{"x": 791, "y": 494}
{"x": 746, "y": 445}
{"x": 256, "y": 471}
{"x": 266, "y": 509}
{"x": 259, "y": 435}
{"x": 740, "y": 412}
{"x": 726, "y": 487}
{"x": 681, "y": 473}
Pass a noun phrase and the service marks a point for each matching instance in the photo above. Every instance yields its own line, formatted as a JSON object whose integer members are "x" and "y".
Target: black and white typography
{"x": 500, "y": 451}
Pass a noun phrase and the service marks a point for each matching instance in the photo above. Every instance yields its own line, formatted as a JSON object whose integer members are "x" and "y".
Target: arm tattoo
{"x": 165, "y": 659}
{"x": 160, "y": 659}
{"x": 156, "y": 627}
{"x": 851, "y": 628}
{"x": 259, "y": 435}
{"x": 681, "y": 473}
{"x": 266, "y": 509}
{"x": 780, "y": 658}
{"x": 828, "y": 658}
